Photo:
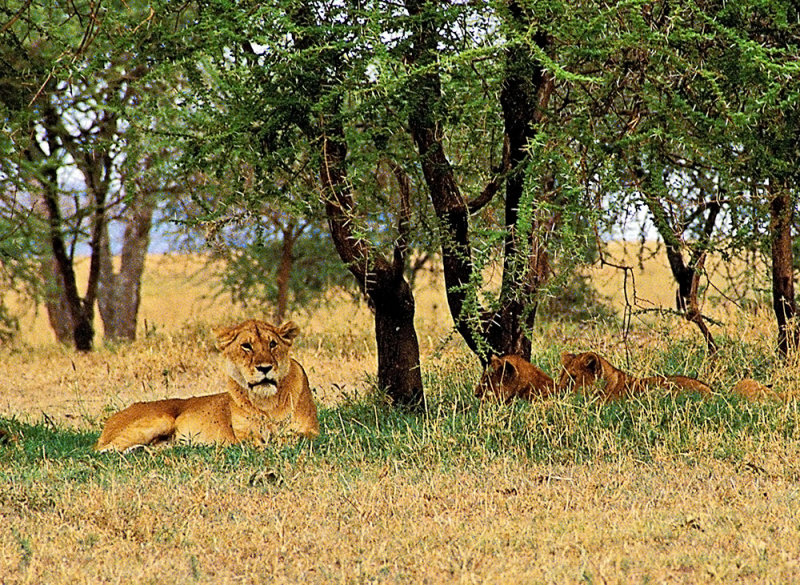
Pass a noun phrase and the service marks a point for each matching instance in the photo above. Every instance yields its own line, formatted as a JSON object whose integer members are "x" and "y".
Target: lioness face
{"x": 579, "y": 370}
{"x": 499, "y": 379}
{"x": 257, "y": 354}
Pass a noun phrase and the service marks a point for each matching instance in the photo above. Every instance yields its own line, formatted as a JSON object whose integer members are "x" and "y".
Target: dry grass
{"x": 657, "y": 490}
{"x": 506, "y": 522}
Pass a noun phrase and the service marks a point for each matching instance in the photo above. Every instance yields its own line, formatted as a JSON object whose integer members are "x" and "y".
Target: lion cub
{"x": 586, "y": 369}
{"x": 267, "y": 395}
{"x": 511, "y": 376}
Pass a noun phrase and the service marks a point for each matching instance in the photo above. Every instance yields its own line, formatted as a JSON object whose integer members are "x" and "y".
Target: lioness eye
{"x": 247, "y": 347}
{"x": 273, "y": 344}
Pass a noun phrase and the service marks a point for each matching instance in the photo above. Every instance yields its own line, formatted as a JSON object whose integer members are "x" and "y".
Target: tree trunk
{"x": 81, "y": 313}
{"x": 382, "y": 282}
{"x": 525, "y": 95}
{"x": 688, "y": 280}
{"x": 398, "y": 347}
{"x": 687, "y": 276}
{"x": 783, "y": 301}
{"x": 282, "y": 280}
{"x": 96, "y": 173}
{"x": 119, "y": 294}
{"x": 58, "y": 313}
{"x": 290, "y": 232}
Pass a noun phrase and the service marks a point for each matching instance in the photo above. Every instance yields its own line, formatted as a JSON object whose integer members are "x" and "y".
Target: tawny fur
{"x": 510, "y": 377}
{"x": 267, "y": 395}
{"x": 591, "y": 371}
{"x": 754, "y": 390}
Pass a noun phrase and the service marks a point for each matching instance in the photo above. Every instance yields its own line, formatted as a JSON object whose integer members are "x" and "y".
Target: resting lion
{"x": 511, "y": 376}
{"x": 267, "y": 395}
{"x": 591, "y": 370}
{"x": 755, "y": 391}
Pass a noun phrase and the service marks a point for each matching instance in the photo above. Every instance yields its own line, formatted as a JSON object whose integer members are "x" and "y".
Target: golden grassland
{"x": 565, "y": 491}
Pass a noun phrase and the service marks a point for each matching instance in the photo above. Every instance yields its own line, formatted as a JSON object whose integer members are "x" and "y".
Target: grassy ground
{"x": 652, "y": 490}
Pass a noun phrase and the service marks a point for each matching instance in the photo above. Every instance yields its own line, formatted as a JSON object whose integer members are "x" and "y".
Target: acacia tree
{"x": 525, "y": 92}
{"x": 750, "y": 74}
{"x": 344, "y": 85}
{"x": 64, "y": 109}
{"x": 696, "y": 107}
{"x": 262, "y": 268}
{"x": 685, "y": 216}
{"x": 751, "y": 51}
{"x": 274, "y": 89}
{"x": 271, "y": 258}
{"x": 568, "y": 100}
{"x": 644, "y": 144}
{"x": 765, "y": 42}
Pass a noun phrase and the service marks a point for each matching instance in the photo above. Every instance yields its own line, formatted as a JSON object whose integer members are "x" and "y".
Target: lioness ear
{"x": 495, "y": 362}
{"x": 594, "y": 364}
{"x": 566, "y": 358}
{"x": 288, "y": 331}
{"x": 224, "y": 335}
{"x": 510, "y": 371}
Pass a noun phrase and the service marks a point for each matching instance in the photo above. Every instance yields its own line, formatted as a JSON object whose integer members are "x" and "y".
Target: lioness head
{"x": 257, "y": 354}
{"x": 500, "y": 379}
{"x": 580, "y": 370}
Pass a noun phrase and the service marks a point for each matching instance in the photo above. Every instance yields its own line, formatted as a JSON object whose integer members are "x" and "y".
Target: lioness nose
{"x": 264, "y": 369}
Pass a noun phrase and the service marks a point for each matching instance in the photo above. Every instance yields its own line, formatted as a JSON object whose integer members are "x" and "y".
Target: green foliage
{"x": 682, "y": 104}
{"x": 578, "y": 301}
{"x": 251, "y": 276}
{"x": 19, "y": 268}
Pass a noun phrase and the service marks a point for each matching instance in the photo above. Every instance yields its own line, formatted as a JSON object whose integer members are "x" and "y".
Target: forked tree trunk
{"x": 783, "y": 301}
{"x": 525, "y": 95}
{"x": 382, "y": 281}
{"x": 686, "y": 275}
{"x": 79, "y": 312}
{"x": 95, "y": 167}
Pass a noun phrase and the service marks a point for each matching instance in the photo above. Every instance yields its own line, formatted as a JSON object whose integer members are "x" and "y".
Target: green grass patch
{"x": 453, "y": 431}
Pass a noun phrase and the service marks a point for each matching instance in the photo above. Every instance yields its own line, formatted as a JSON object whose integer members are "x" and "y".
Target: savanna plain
{"x": 654, "y": 489}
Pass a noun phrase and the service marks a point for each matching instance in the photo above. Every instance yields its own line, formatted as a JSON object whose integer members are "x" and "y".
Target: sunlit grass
{"x": 657, "y": 488}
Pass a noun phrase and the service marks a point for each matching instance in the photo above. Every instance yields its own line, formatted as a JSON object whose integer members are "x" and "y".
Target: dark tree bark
{"x": 451, "y": 208}
{"x": 381, "y": 280}
{"x": 80, "y": 310}
{"x": 524, "y": 97}
{"x": 686, "y": 274}
{"x": 783, "y": 301}
{"x": 91, "y": 151}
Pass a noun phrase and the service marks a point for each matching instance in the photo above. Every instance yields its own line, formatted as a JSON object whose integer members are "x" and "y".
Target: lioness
{"x": 267, "y": 394}
{"x": 511, "y": 376}
{"x": 585, "y": 369}
{"x": 753, "y": 390}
